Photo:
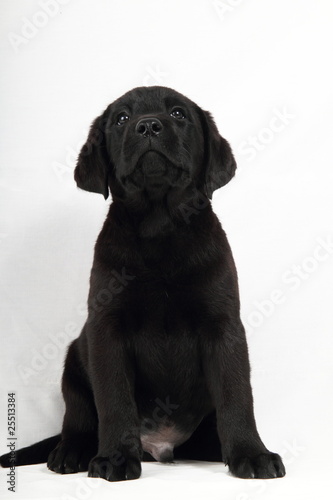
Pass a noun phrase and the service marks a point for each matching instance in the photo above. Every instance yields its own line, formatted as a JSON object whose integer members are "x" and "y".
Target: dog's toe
{"x": 263, "y": 466}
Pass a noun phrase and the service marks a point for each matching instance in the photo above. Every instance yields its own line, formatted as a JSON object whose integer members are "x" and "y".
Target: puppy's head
{"x": 152, "y": 140}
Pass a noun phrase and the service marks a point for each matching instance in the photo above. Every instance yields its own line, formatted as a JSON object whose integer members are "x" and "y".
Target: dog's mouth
{"x": 154, "y": 172}
{"x": 154, "y": 164}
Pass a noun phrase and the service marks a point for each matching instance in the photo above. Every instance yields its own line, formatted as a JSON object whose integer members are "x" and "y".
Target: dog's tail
{"x": 35, "y": 454}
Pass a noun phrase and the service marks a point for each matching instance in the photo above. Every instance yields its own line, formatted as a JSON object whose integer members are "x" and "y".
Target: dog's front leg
{"x": 227, "y": 371}
{"x": 112, "y": 378}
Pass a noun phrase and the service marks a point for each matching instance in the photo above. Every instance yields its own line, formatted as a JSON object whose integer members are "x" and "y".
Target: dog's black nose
{"x": 149, "y": 127}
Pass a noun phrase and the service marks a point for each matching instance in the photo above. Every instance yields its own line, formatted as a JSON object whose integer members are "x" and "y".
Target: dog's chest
{"x": 164, "y": 305}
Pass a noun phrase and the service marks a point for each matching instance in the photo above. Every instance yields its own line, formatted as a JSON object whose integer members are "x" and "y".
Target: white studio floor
{"x": 306, "y": 479}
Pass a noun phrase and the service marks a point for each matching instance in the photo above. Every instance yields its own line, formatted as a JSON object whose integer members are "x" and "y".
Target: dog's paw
{"x": 115, "y": 468}
{"x": 264, "y": 466}
{"x": 71, "y": 455}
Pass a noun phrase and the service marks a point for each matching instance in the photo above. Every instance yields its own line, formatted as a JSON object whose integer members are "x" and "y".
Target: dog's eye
{"x": 122, "y": 118}
{"x": 178, "y": 113}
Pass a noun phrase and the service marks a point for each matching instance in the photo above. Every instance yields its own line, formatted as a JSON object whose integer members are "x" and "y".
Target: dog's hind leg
{"x": 79, "y": 433}
{"x": 204, "y": 443}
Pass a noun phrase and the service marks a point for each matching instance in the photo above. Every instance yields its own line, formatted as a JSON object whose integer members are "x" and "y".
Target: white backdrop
{"x": 264, "y": 69}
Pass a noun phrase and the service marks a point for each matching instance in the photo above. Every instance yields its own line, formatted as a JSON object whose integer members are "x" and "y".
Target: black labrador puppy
{"x": 161, "y": 369}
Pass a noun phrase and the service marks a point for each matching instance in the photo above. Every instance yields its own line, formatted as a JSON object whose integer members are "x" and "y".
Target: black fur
{"x": 160, "y": 370}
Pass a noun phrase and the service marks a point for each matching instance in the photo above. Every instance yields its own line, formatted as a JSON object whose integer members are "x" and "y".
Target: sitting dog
{"x": 160, "y": 370}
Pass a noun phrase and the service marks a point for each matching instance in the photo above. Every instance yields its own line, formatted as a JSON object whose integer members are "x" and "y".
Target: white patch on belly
{"x": 160, "y": 443}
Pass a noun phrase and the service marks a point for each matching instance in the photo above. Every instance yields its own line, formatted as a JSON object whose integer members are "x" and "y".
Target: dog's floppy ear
{"x": 93, "y": 166}
{"x": 220, "y": 164}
